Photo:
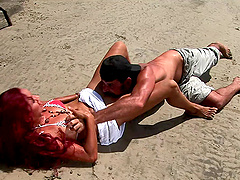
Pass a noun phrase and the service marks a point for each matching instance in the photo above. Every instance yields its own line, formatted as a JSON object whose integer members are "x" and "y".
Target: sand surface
{"x": 54, "y": 47}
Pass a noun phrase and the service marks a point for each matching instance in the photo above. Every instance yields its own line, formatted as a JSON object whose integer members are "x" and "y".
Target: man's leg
{"x": 170, "y": 91}
{"x": 225, "y": 51}
{"x": 221, "y": 97}
{"x": 118, "y": 48}
{"x": 202, "y": 60}
{"x": 177, "y": 99}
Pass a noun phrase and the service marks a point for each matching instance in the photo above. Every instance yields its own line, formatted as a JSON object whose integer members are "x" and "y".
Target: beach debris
{"x": 120, "y": 37}
{"x": 6, "y": 16}
{"x": 237, "y": 28}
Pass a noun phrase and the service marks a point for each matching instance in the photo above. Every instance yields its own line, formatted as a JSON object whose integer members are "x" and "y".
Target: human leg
{"x": 208, "y": 57}
{"x": 225, "y": 51}
{"x": 118, "y": 48}
{"x": 200, "y": 60}
{"x": 177, "y": 99}
{"x": 170, "y": 91}
{"x": 195, "y": 89}
{"x": 197, "y": 61}
{"x": 221, "y": 97}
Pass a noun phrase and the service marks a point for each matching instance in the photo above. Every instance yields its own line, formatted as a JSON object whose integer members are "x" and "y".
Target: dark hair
{"x": 118, "y": 67}
{"x": 19, "y": 143}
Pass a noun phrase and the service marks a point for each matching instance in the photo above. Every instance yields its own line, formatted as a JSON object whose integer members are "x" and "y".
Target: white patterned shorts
{"x": 196, "y": 63}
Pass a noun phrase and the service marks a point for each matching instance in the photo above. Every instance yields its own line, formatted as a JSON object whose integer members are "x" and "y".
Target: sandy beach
{"x": 54, "y": 46}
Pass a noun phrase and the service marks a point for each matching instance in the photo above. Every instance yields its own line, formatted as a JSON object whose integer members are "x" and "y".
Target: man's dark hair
{"x": 118, "y": 67}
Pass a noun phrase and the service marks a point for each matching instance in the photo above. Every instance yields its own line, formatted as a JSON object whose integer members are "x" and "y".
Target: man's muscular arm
{"x": 130, "y": 106}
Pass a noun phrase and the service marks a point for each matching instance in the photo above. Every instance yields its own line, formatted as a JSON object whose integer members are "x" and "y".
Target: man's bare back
{"x": 167, "y": 66}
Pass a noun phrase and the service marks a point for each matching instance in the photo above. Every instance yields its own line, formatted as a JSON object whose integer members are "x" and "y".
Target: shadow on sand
{"x": 134, "y": 130}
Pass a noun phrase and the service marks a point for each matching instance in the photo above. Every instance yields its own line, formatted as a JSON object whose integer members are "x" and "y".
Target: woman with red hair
{"x": 38, "y": 134}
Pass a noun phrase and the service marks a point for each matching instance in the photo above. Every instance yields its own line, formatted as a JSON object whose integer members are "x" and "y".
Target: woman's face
{"x": 35, "y": 104}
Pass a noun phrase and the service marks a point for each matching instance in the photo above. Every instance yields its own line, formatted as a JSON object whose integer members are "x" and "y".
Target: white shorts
{"x": 196, "y": 63}
{"x": 108, "y": 132}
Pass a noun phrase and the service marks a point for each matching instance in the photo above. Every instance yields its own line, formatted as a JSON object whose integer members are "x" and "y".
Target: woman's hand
{"x": 74, "y": 127}
{"x": 86, "y": 147}
{"x": 76, "y": 124}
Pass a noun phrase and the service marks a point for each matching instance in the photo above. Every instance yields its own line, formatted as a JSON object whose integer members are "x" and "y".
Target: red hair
{"x": 20, "y": 144}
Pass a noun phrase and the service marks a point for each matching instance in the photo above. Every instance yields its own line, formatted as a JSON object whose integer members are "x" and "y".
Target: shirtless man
{"x": 159, "y": 80}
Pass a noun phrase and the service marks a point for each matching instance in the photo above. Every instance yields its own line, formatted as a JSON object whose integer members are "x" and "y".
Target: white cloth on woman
{"x": 109, "y": 132}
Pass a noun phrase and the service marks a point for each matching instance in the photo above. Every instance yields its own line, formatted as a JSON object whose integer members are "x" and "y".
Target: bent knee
{"x": 214, "y": 45}
{"x": 173, "y": 90}
{"x": 119, "y": 44}
{"x": 173, "y": 86}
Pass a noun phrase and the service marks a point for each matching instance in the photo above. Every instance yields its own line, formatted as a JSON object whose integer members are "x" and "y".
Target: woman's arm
{"x": 69, "y": 98}
{"x": 88, "y": 151}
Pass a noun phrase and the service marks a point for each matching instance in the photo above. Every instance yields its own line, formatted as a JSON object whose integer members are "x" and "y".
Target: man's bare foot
{"x": 225, "y": 51}
{"x": 204, "y": 112}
